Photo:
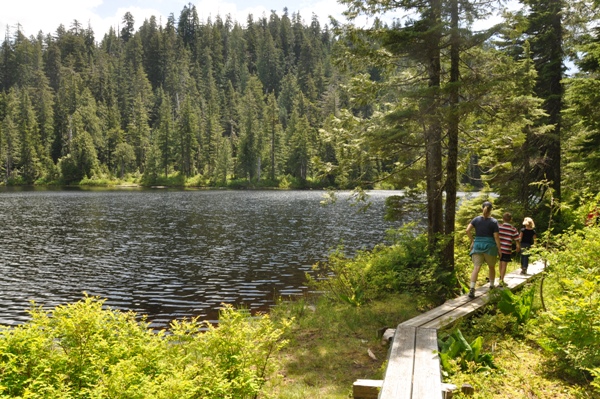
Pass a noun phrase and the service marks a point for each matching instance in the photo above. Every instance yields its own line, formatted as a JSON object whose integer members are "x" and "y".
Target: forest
{"x": 426, "y": 102}
{"x": 216, "y": 100}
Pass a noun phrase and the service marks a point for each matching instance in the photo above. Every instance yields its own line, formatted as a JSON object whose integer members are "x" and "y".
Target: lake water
{"x": 170, "y": 253}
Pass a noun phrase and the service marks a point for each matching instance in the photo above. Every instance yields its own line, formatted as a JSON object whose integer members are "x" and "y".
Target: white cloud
{"x": 47, "y": 15}
{"x": 322, "y": 8}
{"x": 44, "y": 15}
{"x": 102, "y": 25}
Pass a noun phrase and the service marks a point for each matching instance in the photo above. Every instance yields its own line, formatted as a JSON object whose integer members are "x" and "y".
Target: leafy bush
{"x": 341, "y": 277}
{"x": 404, "y": 266}
{"x": 570, "y": 326}
{"x": 176, "y": 179}
{"x": 518, "y": 306}
{"x": 455, "y": 350}
{"x": 84, "y": 351}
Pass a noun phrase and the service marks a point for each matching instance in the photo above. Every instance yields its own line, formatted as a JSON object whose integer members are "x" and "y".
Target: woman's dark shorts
{"x": 505, "y": 258}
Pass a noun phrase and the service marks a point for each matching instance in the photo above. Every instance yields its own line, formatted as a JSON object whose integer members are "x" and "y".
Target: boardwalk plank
{"x": 457, "y": 313}
{"x": 398, "y": 379}
{"x": 427, "y": 377}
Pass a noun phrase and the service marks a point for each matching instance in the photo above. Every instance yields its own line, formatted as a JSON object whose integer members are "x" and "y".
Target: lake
{"x": 170, "y": 253}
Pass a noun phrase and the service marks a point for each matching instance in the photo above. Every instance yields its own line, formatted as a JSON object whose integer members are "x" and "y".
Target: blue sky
{"x": 47, "y": 15}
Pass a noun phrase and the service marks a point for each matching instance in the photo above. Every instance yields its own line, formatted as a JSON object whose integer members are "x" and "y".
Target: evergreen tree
{"x": 188, "y": 128}
{"x": 223, "y": 160}
{"x": 138, "y": 132}
{"x": 269, "y": 64}
{"x": 65, "y": 105}
{"x": 583, "y": 99}
{"x": 164, "y": 133}
{"x": 8, "y": 66}
{"x": 151, "y": 38}
{"x": 250, "y": 148}
{"x": 287, "y": 42}
{"x": 299, "y": 144}
{"x": 81, "y": 161}
{"x": 127, "y": 30}
{"x": 9, "y": 139}
{"x": 213, "y": 129}
{"x": 42, "y": 100}
{"x": 274, "y": 131}
{"x": 545, "y": 33}
{"x": 124, "y": 158}
{"x": 52, "y": 62}
{"x": 188, "y": 28}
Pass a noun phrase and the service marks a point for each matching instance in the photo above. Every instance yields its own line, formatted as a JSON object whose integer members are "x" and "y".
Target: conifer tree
{"x": 164, "y": 133}
{"x": 545, "y": 33}
{"x": 9, "y": 139}
{"x": 250, "y": 144}
{"x": 299, "y": 149}
{"x": 188, "y": 129}
{"x": 274, "y": 131}
{"x": 138, "y": 132}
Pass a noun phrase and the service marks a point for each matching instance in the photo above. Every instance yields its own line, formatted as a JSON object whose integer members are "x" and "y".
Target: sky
{"x": 47, "y": 15}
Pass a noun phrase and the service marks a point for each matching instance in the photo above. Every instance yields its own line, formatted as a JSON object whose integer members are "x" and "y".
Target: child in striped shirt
{"x": 507, "y": 234}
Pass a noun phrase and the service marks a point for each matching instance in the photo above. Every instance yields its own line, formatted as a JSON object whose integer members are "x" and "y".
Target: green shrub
{"x": 518, "y": 306}
{"x": 455, "y": 352}
{"x": 570, "y": 326}
{"x": 405, "y": 266}
{"x": 82, "y": 350}
{"x": 176, "y": 179}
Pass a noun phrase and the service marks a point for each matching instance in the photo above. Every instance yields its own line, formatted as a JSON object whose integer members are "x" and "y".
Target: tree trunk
{"x": 433, "y": 129}
{"x": 452, "y": 157}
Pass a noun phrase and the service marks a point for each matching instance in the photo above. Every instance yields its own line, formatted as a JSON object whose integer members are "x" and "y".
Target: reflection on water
{"x": 169, "y": 253}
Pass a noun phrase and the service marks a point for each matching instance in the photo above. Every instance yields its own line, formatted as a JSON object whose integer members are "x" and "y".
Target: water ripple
{"x": 169, "y": 253}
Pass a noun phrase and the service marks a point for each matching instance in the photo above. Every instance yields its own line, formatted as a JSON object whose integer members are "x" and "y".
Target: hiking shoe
{"x": 492, "y": 286}
{"x": 472, "y": 293}
{"x": 524, "y": 271}
{"x": 501, "y": 284}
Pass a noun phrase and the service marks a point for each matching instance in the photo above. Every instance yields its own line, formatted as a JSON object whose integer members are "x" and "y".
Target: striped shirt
{"x": 507, "y": 234}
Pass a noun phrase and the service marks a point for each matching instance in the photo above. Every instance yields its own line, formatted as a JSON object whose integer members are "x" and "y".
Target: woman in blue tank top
{"x": 485, "y": 245}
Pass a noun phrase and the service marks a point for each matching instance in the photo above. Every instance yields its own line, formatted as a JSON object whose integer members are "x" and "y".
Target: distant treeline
{"x": 213, "y": 101}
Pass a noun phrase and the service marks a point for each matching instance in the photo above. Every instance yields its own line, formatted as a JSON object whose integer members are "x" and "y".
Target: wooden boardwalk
{"x": 413, "y": 370}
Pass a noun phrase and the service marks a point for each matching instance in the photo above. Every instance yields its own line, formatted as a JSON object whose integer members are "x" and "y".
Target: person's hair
{"x": 487, "y": 208}
{"x": 507, "y": 217}
{"x": 528, "y": 222}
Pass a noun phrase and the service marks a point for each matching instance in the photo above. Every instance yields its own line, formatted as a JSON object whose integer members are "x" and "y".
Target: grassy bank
{"x": 329, "y": 348}
{"x": 331, "y": 345}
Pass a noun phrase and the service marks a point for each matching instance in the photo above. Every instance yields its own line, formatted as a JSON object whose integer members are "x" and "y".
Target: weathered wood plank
{"x": 398, "y": 378}
{"x": 366, "y": 389}
{"x": 388, "y": 336}
{"x": 426, "y": 317}
{"x": 445, "y": 311}
{"x": 427, "y": 376}
{"x": 448, "y": 318}
{"x": 513, "y": 280}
